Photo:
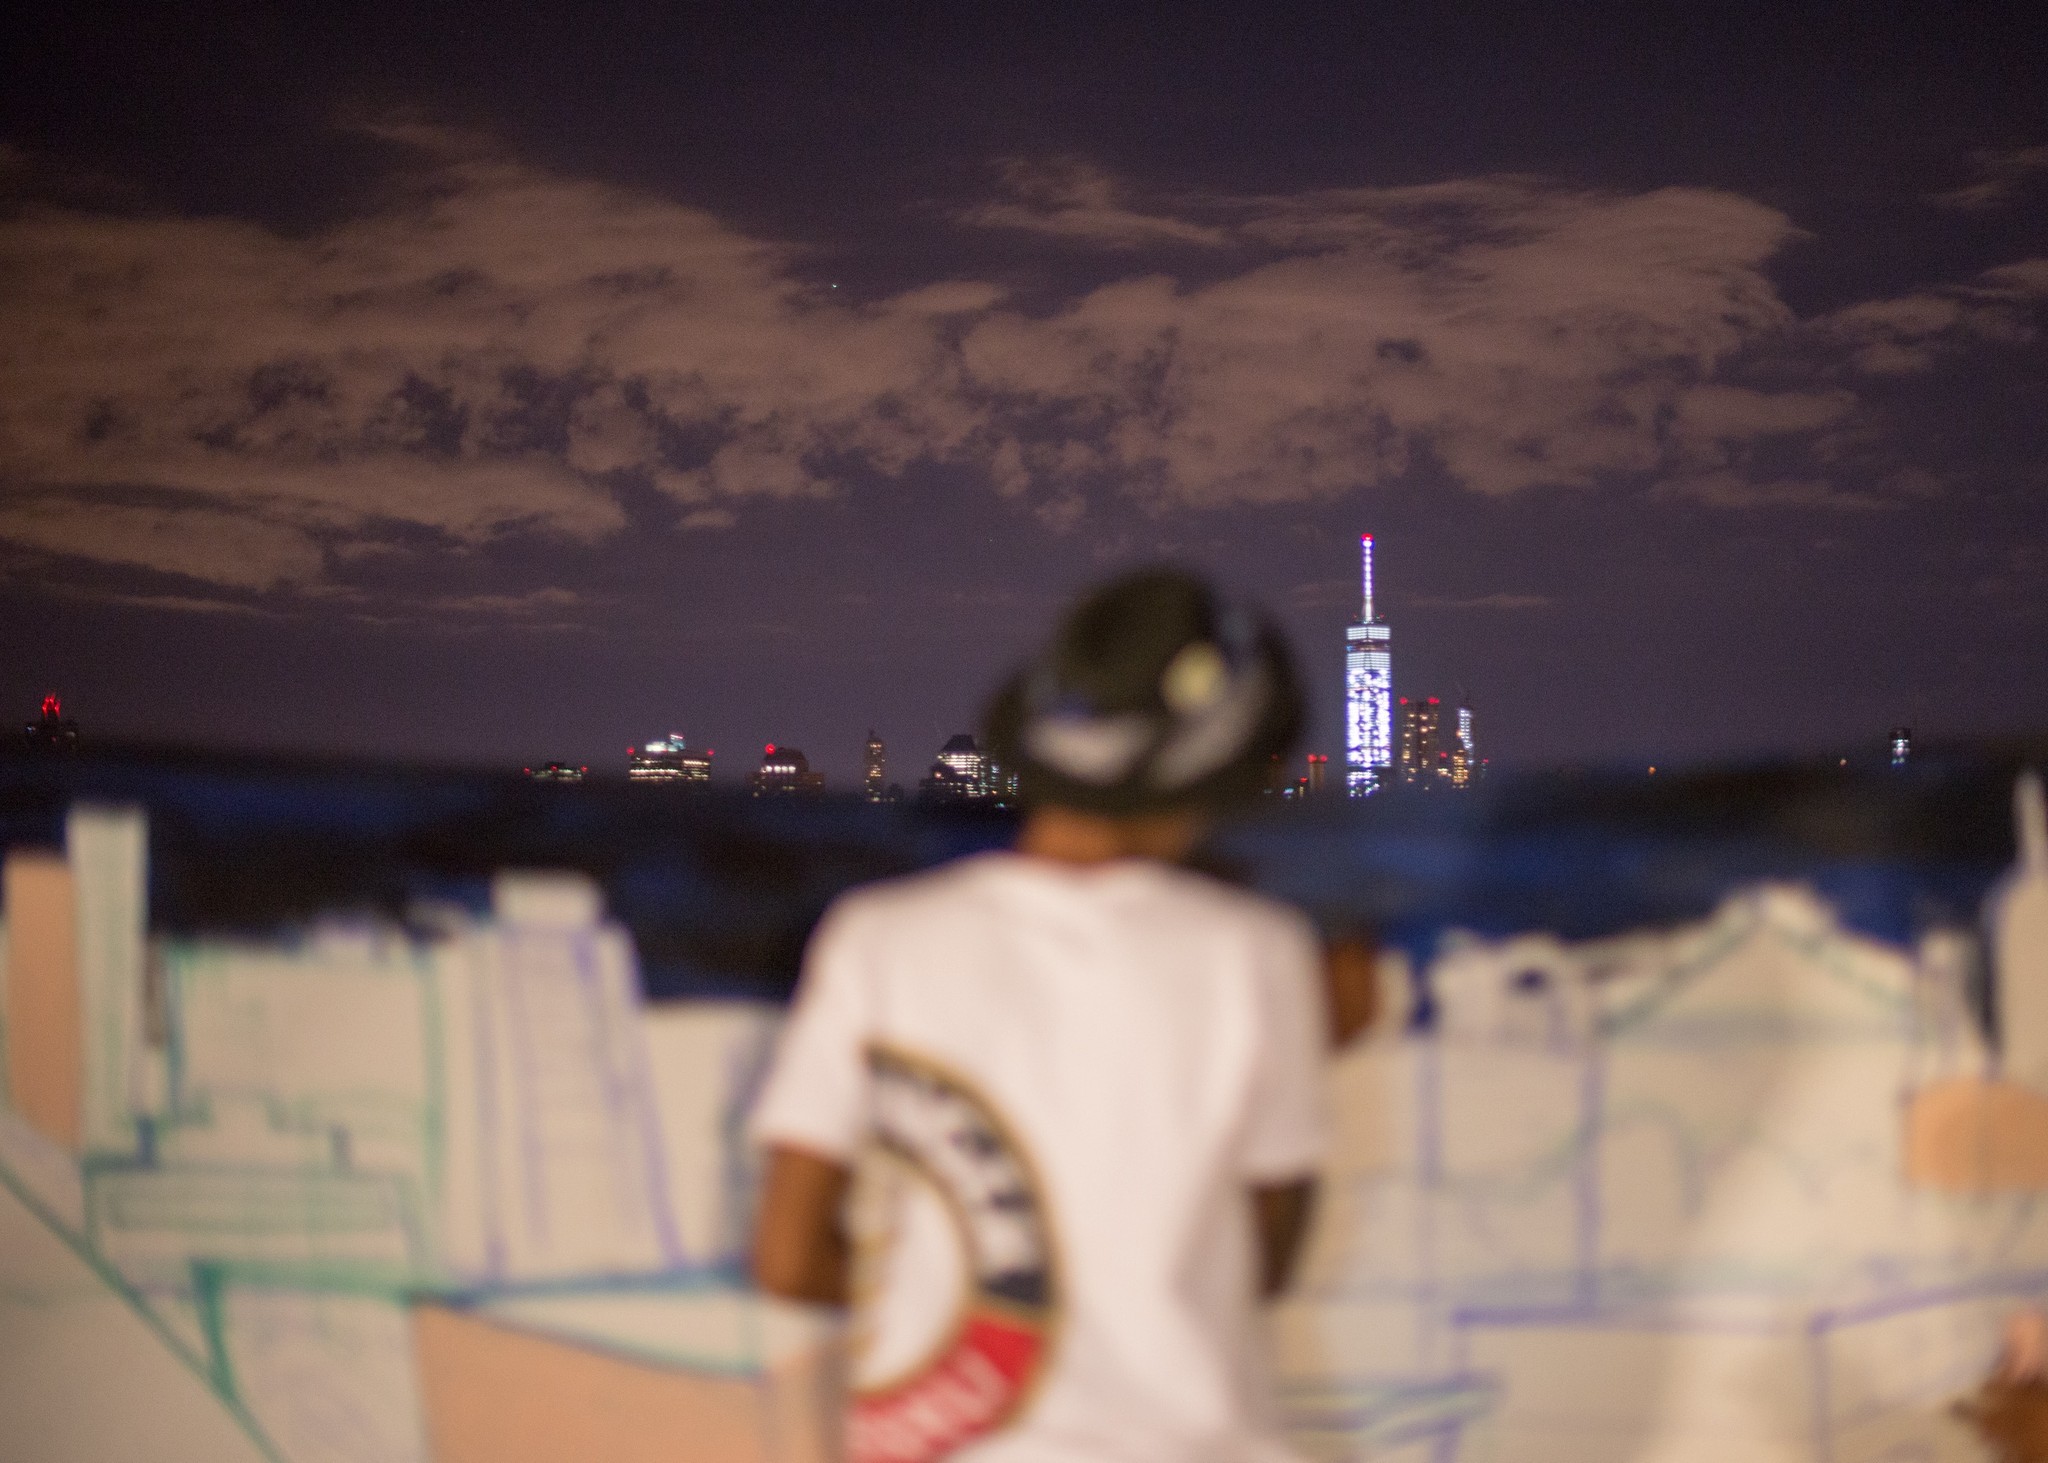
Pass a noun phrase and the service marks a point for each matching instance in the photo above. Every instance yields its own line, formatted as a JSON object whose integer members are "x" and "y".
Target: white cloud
{"x": 1498, "y": 601}
{"x": 2000, "y": 176}
{"x": 1914, "y": 332}
{"x": 232, "y": 550}
{"x": 1737, "y": 413}
{"x": 484, "y": 352}
{"x": 1073, "y": 199}
{"x": 1738, "y": 491}
{"x": 1522, "y": 336}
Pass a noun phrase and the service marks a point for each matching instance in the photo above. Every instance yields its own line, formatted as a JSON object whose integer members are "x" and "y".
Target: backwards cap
{"x": 1156, "y": 694}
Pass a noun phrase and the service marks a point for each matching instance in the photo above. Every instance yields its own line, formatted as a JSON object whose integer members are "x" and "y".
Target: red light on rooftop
{"x": 52, "y": 707}
{"x": 769, "y": 750}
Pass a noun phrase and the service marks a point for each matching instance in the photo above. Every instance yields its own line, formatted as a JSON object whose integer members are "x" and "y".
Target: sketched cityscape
{"x": 452, "y": 1191}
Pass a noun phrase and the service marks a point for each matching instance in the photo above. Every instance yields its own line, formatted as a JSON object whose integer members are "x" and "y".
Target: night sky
{"x": 491, "y": 384}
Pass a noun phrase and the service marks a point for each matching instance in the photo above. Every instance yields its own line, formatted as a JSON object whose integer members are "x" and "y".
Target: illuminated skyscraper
{"x": 668, "y": 761}
{"x": 1368, "y": 691}
{"x": 1902, "y": 745}
{"x": 874, "y": 770}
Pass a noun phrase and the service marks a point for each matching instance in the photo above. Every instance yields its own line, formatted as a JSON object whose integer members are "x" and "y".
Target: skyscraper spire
{"x": 1365, "y": 615}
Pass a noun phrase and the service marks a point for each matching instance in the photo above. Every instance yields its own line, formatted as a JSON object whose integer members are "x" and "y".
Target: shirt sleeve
{"x": 816, "y": 1095}
{"x": 1287, "y": 1127}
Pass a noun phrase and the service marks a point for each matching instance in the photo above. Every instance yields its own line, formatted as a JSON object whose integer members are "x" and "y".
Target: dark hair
{"x": 1155, "y": 694}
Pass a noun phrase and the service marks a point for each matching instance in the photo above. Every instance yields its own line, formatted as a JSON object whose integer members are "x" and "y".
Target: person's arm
{"x": 800, "y": 1249}
{"x": 2024, "y": 1355}
{"x": 810, "y": 1120}
{"x": 1282, "y": 1213}
{"x": 1351, "y": 987}
{"x": 1286, "y": 1125}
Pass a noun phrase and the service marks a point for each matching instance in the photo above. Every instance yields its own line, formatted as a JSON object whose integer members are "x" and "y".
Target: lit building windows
{"x": 784, "y": 772}
{"x": 874, "y": 770}
{"x": 962, "y": 773}
{"x": 556, "y": 772}
{"x": 1368, "y": 691}
{"x": 668, "y": 760}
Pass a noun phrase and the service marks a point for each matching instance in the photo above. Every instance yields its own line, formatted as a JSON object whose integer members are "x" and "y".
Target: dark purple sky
{"x": 502, "y": 388}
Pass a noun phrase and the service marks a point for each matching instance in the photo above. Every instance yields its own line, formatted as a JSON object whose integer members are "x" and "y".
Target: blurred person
{"x": 1048, "y": 1119}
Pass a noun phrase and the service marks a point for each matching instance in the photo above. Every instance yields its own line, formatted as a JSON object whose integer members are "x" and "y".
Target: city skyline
{"x": 383, "y": 384}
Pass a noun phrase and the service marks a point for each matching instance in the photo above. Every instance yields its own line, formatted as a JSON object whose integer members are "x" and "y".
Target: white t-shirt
{"x": 1055, "y": 1085}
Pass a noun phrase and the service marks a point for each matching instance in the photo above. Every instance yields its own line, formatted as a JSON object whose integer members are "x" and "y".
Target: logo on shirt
{"x": 954, "y": 1257}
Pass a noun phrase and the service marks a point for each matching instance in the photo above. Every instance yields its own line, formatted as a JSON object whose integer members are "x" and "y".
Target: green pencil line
{"x": 201, "y": 1367}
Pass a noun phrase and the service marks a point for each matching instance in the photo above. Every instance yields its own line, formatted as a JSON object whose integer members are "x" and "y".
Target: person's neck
{"x": 1067, "y": 836}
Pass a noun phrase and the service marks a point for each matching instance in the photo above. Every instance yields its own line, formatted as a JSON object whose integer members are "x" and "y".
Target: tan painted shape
{"x": 493, "y": 1394}
{"x": 1973, "y": 1136}
{"x": 45, "y": 1037}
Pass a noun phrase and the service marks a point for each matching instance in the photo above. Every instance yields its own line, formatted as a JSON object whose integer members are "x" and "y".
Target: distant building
{"x": 963, "y": 755}
{"x": 942, "y": 785}
{"x": 1316, "y": 782}
{"x": 556, "y": 772}
{"x": 1902, "y": 745}
{"x": 1423, "y": 758}
{"x": 874, "y": 783}
{"x": 784, "y": 772}
{"x": 52, "y": 731}
{"x": 1432, "y": 754}
{"x": 963, "y": 773}
{"x": 669, "y": 761}
{"x": 1368, "y": 690}
{"x": 1467, "y": 766}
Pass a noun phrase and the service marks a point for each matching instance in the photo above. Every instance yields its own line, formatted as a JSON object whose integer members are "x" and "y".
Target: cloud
{"x": 187, "y": 604}
{"x": 496, "y": 352}
{"x": 1483, "y": 602}
{"x": 2000, "y": 176}
{"x": 1070, "y": 198}
{"x": 551, "y": 600}
{"x": 1514, "y": 334}
{"x": 1737, "y": 413}
{"x": 1737, "y": 491}
{"x": 1914, "y": 332}
{"x": 2026, "y": 279}
{"x": 473, "y": 361}
{"x": 230, "y": 550}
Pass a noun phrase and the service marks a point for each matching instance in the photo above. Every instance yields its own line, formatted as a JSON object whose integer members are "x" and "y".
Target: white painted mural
{"x": 452, "y": 1192}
